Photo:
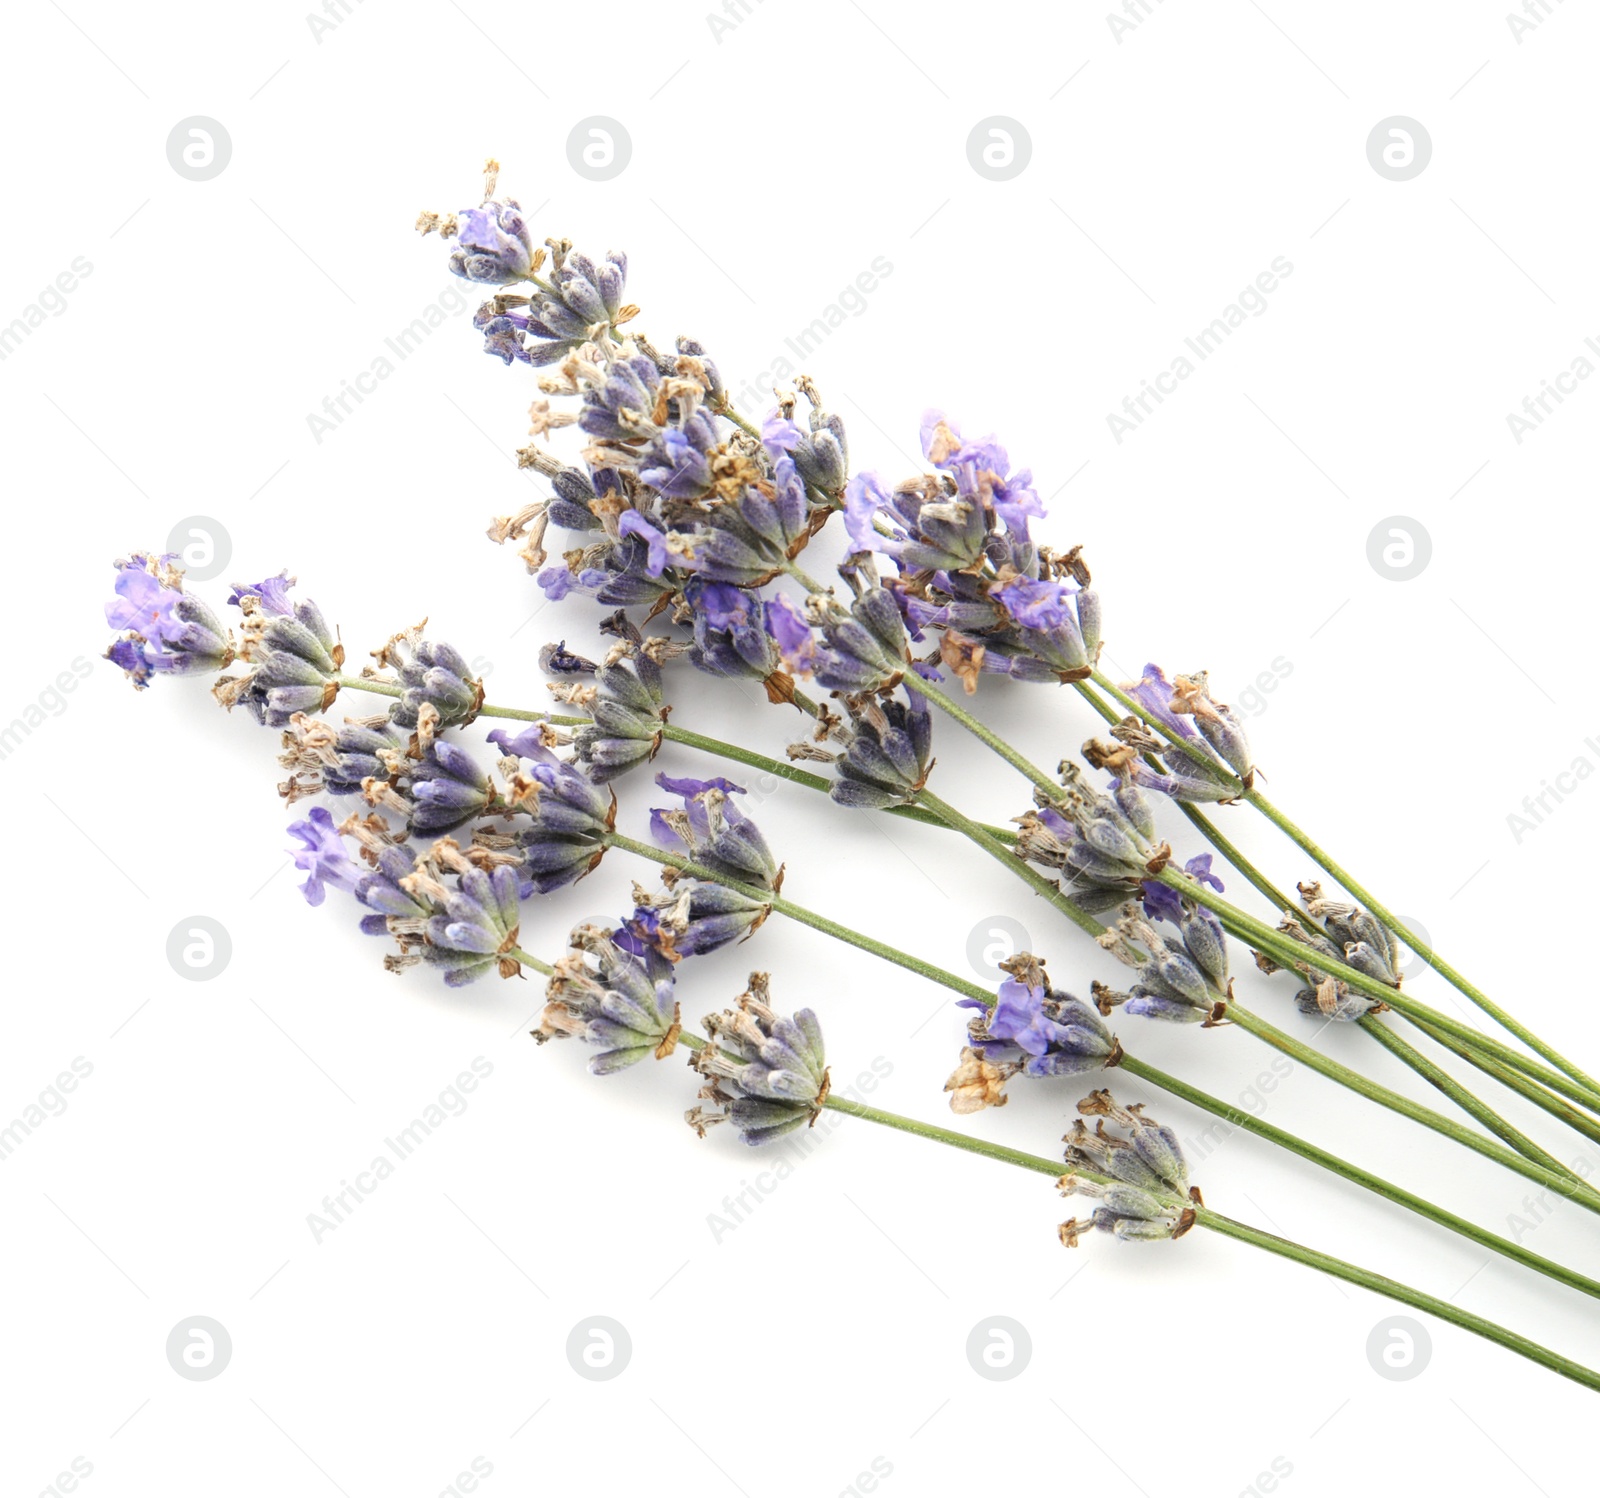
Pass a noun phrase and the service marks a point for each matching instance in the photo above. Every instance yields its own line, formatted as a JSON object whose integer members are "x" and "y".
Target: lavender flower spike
{"x": 888, "y": 751}
{"x": 1149, "y": 1195}
{"x": 613, "y": 999}
{"x": 1034, "y": 1029}
{"x": 688, "y": 918}
{"x": 560, "y": 816}
{"x": 715, "y": 833}
{"x": 494, "y": 244}
{"x": 295, "y": 661}
{"x": 169, "y": 631}
{"x": 862, "y": 649}
{"x": 766, "y": 1074}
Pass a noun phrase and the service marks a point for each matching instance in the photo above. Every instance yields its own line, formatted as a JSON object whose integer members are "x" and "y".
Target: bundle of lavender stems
{"x": 697, "y": 535}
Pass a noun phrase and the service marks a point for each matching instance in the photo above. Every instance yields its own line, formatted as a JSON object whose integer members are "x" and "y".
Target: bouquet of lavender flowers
{"x": 701, "y": 538}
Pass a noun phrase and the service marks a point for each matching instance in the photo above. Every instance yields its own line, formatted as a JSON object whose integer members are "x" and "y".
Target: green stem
{"x": 1543, "y": 1175}
{"x": 981, "y": 731}
{"x": 1388, "y": 918}
{"x": 1516, "y": 1082}
{"x": 1239, "y": 1119}
{"x": 518, "y": 955}
{"x": 1363, "y": 896}
{"x": 1382, "y": 1285}
{"x": 1419, "y": 1015}
{"x": 806, "y": 581}
{"x": 983, "y": 837}
{"x": 802, "y": 915}
{"x": 1229, "y": 1227}
{"x": 1396, "y": 1102}
{"x": 1547, "y": 1174}
{"x": 1290, "y": 953}
{"x": 1407, "y": 1053}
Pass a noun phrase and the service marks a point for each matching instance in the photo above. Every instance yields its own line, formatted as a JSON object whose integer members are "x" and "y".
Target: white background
{"x": 769, "y": 168}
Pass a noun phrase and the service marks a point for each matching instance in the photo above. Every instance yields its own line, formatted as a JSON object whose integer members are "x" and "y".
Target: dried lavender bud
{"x": 626, "y": 711}
{"x": 1056, "y": 632}
{"x": 495, "y": 245}
{"x": 822, "y": 454}
{"x": 169, "y": 631}
{"x": 465, "y": 928}
{"x": 1095, "y": 839}
{"x": 714, "y": 832}
{"x": 1030, "y": 1028}
{"x": 1149, "y": 1195}
{"x": 473, "y": 927}
{"x": 925, "y": 524}
{"x": 731, "y": 636}
{"x": 321, "y": 757}
{"x": 617, "y": 1000}
{"x": 432, "y": 675}
{"x": 697, "y": 365}
{"x": 295, "y": 660}
{"x": 270, "y": 596}
{"x": 1203, "y": 936}
{"x": 863, "y": 649}
{"x": 766, "y": 1074}
{"x": 1219, "y": 725}
{"x": 936, "y": 524}
{"x": 747, "y": 539}
{"x": 978, "y": 1083}
{"x": 1177, "y": 981}
{"x": 1179, "y": 777}
{"x": 445, "y": 788}
{"x": 888, "y": 744}
{"x": 561, "y": 816}
{"x": 1326, "y": 997}
{"x": 1369, "y": 946}
{"x": 689, "y": 918}
{"x": 617, "y": 403}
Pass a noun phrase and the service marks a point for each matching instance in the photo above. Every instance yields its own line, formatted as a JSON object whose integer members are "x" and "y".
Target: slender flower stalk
{"x": 1257, "y": 933}
{"x": 800, "y": 914}
{"x": 1556, "y": 1179}
{"x": 1523, "y": 1152}
{"x": 1228, "y": 1227}
{"x": 1407, "y": 1054}
{"x": 1359, "y": 892}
